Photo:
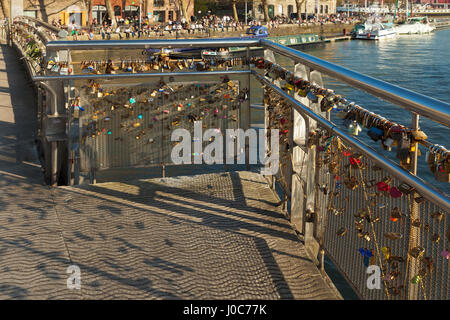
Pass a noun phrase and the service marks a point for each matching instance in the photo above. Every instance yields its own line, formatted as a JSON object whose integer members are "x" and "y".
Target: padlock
{"x": 437, "y": 215}
{"x": 416, "y": 252}
{"x": 441, "y": 175}
{"x": 416, "y": 279}
{"x": 354, "y": 128}
{"x": 393, "y": 235}
{"x": 375, "y": 133}
{"x": 396, "y": 214}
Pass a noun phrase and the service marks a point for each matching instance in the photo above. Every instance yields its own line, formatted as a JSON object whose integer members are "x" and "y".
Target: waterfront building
{"x": 155, "y": 10}
{"x": 435, "y": 4}
{"x": 288, "y": 8}
{"x": 65, "y": 10}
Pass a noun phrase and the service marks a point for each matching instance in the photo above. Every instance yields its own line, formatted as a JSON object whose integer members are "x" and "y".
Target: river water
{"x": 417, "y": 62}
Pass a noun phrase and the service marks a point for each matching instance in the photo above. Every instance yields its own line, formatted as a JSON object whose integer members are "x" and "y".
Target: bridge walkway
{"x": 210, "y": 236}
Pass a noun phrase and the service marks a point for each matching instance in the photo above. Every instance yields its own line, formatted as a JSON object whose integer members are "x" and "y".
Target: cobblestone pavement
{"x": 210, "y": 236}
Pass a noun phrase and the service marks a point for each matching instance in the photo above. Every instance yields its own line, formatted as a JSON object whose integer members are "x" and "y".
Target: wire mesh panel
{"x": 374, "y": 219}
{"x": 367, "y": 221}
{"x": 132, "y": 126}
{"x": 280, "y": 117}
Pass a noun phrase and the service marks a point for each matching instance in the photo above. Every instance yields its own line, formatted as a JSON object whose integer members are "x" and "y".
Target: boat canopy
{"x": 417, "y": 18}
{"x": 258, "y": 31}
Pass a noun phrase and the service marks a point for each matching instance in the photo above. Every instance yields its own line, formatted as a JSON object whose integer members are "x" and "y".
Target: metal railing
{"x": 310, "y": 211}
{"x": 4, "y": 30}
{"x": 433, "y": 109}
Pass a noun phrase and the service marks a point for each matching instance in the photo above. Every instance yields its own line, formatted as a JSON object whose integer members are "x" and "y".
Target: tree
{"x": 182, "y": 6}
{"x": 266, "y": 10}
{"x": 4, "y": 4}
{"x": 146, "y": 8}
{"x": 111, "y": 14}
{"x": 236, "y": 18}
{"x": 90, "y": 9}
{"x": 299, "y": 4}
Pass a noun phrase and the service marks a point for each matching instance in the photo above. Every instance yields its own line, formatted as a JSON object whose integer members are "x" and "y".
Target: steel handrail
{"x": 420, "y": 185}
{"x": 158, "y": 44}
{"x": 141, "y": 75}
{"x": 431, "y": 108}
{"x": 41, "y": 23}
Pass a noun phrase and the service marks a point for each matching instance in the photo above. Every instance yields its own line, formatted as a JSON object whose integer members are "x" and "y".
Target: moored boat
{"x": 416, "y": 25}
{"x": 375, "y": 31}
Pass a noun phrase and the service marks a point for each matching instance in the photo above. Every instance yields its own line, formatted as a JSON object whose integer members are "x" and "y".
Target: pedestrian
{"x": 118, "y": 32}
{"x": 102, "y": 32}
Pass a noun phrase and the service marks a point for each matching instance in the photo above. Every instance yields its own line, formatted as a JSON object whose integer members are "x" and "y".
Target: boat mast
{"x": 395, "y": 12}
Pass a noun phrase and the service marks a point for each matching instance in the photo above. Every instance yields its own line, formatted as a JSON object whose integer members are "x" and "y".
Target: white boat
{"x": 414, "y": 26}
{"x": 375, "y": 31}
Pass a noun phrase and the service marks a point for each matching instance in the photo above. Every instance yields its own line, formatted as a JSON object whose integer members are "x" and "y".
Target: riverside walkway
{"x": 212, "y": 236}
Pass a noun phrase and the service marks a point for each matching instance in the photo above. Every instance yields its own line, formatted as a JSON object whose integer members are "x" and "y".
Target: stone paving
{"x": 210, "y": 236}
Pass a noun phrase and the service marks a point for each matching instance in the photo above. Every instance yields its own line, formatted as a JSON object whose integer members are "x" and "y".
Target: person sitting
{"x": 74, "y": 30}
{"x": 102, "y": 32}
{"x": 127, "y": 32}
{"x": 118, "y": 32}
{"x": 108, "y": 33}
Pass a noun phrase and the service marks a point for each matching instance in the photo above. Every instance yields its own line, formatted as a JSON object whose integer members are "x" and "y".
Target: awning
{"x": 131, "y": 8}
{"x": 98, "y": 8}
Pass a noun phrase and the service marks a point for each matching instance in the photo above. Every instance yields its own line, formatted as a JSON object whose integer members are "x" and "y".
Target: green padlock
{"x": 415, "y": 280}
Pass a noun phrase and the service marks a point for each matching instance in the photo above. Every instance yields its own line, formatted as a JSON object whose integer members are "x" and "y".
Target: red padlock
{"x": 381, "y": 186}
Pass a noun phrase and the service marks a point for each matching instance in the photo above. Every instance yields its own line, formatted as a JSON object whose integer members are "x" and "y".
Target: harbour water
{"x": 417, "y": 62}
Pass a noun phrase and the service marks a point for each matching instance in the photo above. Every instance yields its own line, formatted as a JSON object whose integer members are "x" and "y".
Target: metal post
{"x": 414, "y": 264}
{"x": 415, "y": 126}
{"x": 248, "y": 112}
{"x": 10, "y": 20}
{"x": 322, "y": 259}
{"x": 54, "y": 177}
{"x": 246, "y": 12}
{"x": 54, "y": 144}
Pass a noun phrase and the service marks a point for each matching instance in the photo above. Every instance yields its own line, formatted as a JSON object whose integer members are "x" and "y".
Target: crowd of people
{"x": 312, "y": 19}
{"x": 134, "y": 27}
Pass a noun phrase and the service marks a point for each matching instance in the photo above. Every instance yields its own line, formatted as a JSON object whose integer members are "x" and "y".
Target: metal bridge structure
{"x": 263, "y": 235}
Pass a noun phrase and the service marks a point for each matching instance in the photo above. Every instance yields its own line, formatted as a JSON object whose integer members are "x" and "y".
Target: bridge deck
{"x": 211, "y": 236}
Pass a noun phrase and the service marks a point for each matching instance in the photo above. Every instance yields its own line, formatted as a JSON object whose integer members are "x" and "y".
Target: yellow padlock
{"x": 289, "y": 86}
